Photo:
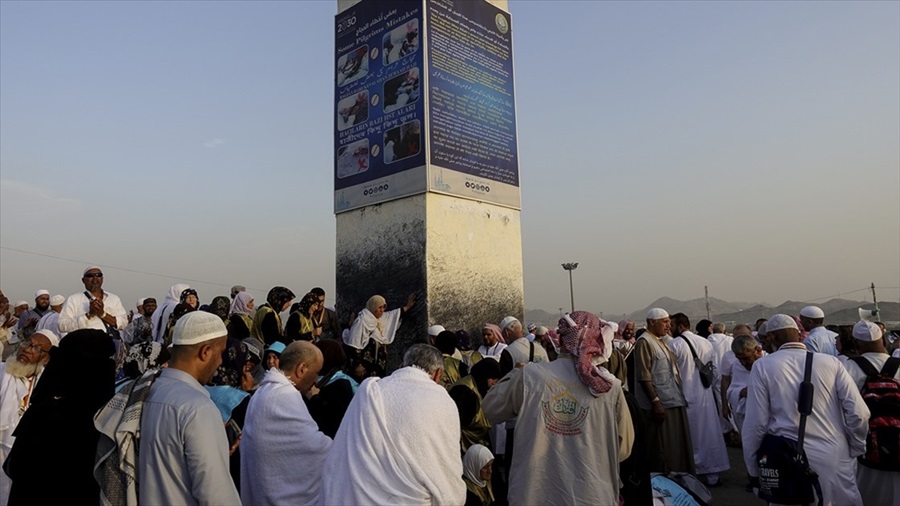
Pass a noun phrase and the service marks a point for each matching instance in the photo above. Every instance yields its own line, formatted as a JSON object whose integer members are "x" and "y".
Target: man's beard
{"x": 21, "y": 370}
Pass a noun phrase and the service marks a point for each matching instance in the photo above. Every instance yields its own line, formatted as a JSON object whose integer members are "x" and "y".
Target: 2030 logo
{"x": 478, "y": 187}
{"x": 376, "y": 189}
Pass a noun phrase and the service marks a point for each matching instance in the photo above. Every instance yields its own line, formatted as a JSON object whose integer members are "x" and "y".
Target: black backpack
{"x": 881, "y": 392}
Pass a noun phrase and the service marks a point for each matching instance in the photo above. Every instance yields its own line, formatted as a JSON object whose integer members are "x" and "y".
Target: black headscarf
{"x": 220, "y": 306}
{"x": 484, "y": 370}
{"x": 78, "y": 381}
{"x": 278, "y": 297}
{"x": 703, "y": 328}
{"x": 186, "y": 293}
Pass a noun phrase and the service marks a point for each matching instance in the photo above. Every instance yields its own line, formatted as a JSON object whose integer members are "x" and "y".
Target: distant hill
{"x": 837, "y": 311}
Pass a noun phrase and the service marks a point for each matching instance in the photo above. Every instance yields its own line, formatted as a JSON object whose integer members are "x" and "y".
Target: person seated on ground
{"x": 273, "y": 354}
{"x": 477, "y": 470}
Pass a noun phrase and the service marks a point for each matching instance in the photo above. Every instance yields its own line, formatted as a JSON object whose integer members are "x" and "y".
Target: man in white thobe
{"x": 50, "y": 321}
{"x": 282, "y": 449}
{"x": 710, "y": 454}
{"x": 737, "y": 364}
{"x": 93, "y": 308}
{"x": 721, "y": 344}
{"x": 836, "y": 429}
{"x": 399, "y": 440}
{"x": 819, "y": 339}
{"x": 183, "y": 456}
{"x": 878, "y": 488}
{"x": 18, "y": 377}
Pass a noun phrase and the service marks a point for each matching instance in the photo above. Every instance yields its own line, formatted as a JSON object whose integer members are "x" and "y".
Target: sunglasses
{"x": 94, "y": 275}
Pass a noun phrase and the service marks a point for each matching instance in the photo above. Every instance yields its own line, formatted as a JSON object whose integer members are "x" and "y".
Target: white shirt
{"x": 183, "y": 456}
{"x": 492, "y": 351}
{"x": 73, "y": 315}
{"x": 835, "y": 431}
{"x": 821, "y": 340}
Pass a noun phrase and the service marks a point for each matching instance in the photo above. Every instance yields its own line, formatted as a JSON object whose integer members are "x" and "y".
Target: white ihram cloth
{"x": 50, "y": 321}
{"x": 12, "y": 391}
{"x": 710, "y": 454}
{"x": 398, "y": 444}
{"x": 876, "y": 487}
{"x": 721, "y": 344}
{"x": 365, "y": 327}
{"x": 740, "y": 379}
{"x": 282, "y": 449}
{"x": 835, "y": 431}
{"x": 164, "y": 310}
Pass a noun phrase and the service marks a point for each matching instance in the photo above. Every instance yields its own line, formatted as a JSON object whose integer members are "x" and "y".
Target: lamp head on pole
{"x": 571, "y": 266}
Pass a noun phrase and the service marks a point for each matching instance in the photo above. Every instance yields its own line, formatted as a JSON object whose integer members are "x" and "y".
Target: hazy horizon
{"x": 750, "y": 147}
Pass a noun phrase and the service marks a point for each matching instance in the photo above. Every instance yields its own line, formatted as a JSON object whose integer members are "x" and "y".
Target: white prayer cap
{"x": 197, "y": 327}
{"x": 91, "y": 268}
{"x": 54, "y": 341}
{"x": 779, "y": 322}
{"x": 812, "y": 312}
{"x": 541, "y": 331}
{"x": 507, "y": 322}
{"x": 21, "y": 303}
{"x": 657, "y": 314}
{"x": 435, "y": 330}
{"x": 866, "y": 331}
{"x": 763, "y": 329}
{"x": 40, "y": 292}
{"x": 57, "y": 300}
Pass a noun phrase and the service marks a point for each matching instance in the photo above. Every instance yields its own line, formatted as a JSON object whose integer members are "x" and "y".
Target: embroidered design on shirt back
{"x": 563, "y": 414}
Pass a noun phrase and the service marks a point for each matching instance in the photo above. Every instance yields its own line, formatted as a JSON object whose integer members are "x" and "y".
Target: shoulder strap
{"x": 890, "y": 367}
{"x": 531, "y": 352}
{"x": 867, "y": 366}
{"x": 807, "y": 374}
{"x": 691, "y": 346}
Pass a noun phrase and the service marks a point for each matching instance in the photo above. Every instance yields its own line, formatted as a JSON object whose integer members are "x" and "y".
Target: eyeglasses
{"x": 29, "y": 344}
{"x": 94, "y": 275}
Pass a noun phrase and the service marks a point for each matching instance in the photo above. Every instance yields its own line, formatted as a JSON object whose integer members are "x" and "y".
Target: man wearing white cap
{"x": 18, "y": 377}
{"x": 93, "y": 308}
{"x": 661, "y": 399}
{"x": 50, "y": 321}
{"x": 433, "y": 332}
{"x": 710, "y": 455}
{"x": 29, "y": 319}
{"x": 876, "y": 486}
{"x": 518, "y": 349}
{"x": 820, "y": 339}
{"x": 836, "y": 429}
{"x": 183, "y": 456}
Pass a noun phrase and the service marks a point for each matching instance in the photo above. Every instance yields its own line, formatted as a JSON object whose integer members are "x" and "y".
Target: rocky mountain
{"x": 837, "y": 311}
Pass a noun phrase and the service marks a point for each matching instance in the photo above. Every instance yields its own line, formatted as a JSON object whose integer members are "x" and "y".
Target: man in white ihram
{"x": 399, "y": 440}
{"x": 835, "y": 431}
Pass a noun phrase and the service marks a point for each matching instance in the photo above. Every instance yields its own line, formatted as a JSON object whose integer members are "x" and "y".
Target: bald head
{"x": 301, "y": 362}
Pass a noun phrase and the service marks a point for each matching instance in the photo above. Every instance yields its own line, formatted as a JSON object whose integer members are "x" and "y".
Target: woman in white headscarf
{"x": 161, "y": 316}
{"x": 374, "y": 328}
{"x": 477, "y": 467}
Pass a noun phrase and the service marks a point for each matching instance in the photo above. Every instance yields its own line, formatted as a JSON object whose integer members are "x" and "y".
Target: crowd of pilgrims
{"x": 228, "y": 402}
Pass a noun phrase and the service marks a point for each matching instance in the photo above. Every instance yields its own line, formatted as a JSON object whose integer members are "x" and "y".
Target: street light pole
{"x": 571, "y": 266}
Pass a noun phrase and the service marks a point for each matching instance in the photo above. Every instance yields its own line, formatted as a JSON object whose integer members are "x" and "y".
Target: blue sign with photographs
{"x": 471, "y": 102}
{"x": 379, "y": 110}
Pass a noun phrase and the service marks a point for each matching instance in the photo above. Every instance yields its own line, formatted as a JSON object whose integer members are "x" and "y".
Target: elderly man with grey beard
{"x": 18, "y": 377}
{"x": 399, "y": 440}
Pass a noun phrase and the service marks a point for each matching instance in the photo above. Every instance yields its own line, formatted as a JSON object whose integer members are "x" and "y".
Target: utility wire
{"x": 125, "y": 269}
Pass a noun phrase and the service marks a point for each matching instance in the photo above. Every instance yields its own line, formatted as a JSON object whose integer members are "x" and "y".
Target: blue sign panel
{"x": 379, "y": 103}
{"x": 473, "y": 150}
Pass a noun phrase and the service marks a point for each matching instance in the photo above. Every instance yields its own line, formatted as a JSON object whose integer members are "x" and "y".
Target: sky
{"x": 751, "y": 147}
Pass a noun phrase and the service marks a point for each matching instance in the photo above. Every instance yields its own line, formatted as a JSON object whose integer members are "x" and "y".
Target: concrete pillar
{"x": 461, "y": 257}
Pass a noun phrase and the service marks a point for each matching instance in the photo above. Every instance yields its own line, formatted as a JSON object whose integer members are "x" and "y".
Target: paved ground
{"x": 732, "y": 492}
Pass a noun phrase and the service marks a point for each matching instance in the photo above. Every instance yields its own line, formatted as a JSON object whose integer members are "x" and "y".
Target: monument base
{"x": 462, "y": 259}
